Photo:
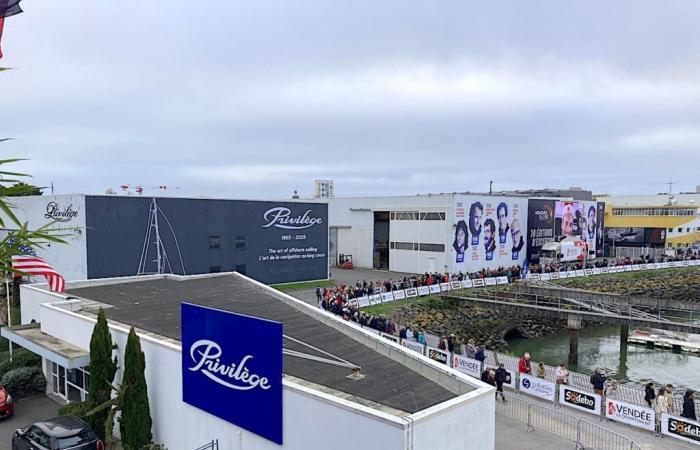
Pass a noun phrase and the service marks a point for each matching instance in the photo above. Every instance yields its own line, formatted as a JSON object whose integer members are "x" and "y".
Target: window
{"x": 403, "y": 245}
{"x": 214, "y": 269}
{"x": 659, "y": 211}
{"x": 214, "y": 242}
{"x": 432, "y": 247}
{"x": 680, "y": 229}
{"x": 687, "y": 230}
{"x": 432, "y": 216}
{"x": 85, "y": 437}
{"x": 670, "y": 230}
{"x": 38, "y": 437}
{"x": 405, "y": 215}
{"x": 240, "y": 243}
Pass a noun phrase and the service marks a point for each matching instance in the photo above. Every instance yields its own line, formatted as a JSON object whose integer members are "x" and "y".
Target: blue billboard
{"x": 232, "y": 368}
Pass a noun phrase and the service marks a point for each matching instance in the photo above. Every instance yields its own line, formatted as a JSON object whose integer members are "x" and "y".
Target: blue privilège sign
{"x": 232, "y": 368}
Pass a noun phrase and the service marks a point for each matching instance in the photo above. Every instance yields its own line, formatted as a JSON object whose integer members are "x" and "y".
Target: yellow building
{"x": 671, "y": 221}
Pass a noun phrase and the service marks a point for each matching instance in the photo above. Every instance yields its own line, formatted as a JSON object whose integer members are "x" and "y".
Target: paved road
{"x": 27, "y": 412}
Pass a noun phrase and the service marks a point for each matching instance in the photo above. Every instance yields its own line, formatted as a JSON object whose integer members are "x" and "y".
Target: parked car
{"x": 7, "y": 404}
{"x": 59, "y": 433}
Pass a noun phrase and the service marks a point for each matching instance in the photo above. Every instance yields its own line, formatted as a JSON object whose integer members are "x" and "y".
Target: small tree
{"x": 135, "y": 417}
{"x": 102, "y": 370}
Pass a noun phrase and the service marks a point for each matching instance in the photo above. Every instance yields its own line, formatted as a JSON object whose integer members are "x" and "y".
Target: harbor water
{"x": 599, "y": 346}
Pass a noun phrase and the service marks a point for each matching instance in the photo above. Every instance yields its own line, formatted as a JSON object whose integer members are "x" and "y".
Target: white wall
{"x": 420, "y": 231}
{"x": 179, "y": 425}
{"x": 69, "y": 260}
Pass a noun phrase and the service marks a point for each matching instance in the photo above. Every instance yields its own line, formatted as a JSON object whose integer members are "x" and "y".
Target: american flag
{"x": 33, "y": 265}
{"x": 7, "y": 8}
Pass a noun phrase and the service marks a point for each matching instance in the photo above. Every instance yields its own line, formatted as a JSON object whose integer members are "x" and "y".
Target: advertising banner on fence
{"x": 434, "y": 288}
{"x": 438, "y": 355}
{"x": 411, "y": 292}
{"x": 423, "y": 290}
{"x": 467, "y": 283}
{"x": 412, "y": 345}
{"x": 538, "y": 387}
{"x": 489, "y": 232}
{"x": 466, "y": 365}
{"x": 680, "y": 428}
{"x": 390, "y": 337}
{"x": 510, "y": 378}
{"x": 576, "y": 398}
{"x": 214, "y": 342}
{"x": 399, "y": 295}
{"x": 635, "y": 415}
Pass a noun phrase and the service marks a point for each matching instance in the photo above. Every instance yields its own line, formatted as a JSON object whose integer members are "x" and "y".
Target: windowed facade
{"x": 70, "y": 384}
{"x": 414, "y": 246}
{"x": 655, "y": 211}
{"x": 416, "y": 215}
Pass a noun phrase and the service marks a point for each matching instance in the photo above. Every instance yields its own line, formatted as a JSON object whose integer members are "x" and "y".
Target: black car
{"x": 59, "y": 433}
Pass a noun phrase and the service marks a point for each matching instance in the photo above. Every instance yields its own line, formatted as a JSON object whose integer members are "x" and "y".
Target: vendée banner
{"x": 635, "y": 415}
{"x": 466, "y": 365}
{"x": 232, "y": 359}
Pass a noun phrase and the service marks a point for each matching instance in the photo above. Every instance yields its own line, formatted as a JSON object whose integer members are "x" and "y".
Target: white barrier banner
{"x": 664, "y": 265}
{"x": 580, "y": 273}
{"x": 363, "y": 301}
{"x": 387, "y": 297}
{"x": 538, "y": 387}
{"x": 479, "y": 282}
{"x": 510, "y": 378}
{"x": 554, "y": 275}
{"x": 413, "y": 345}
{"x": 502, "y": 280}
{"x": 466, "y": 365}
{"x": 628, "y": 268}
{"x": 533, "y": 276}
{"x": 438, "y": 355}
{"x": 672, "y": 264}
{"x": 434, "y": 288}
{"x": 399, "y": 295}
{"x": 643, "y": 266}
{"x": 657, "y": 265}
{"x": 588, "y": 272}
{"x": 576, "y": 398}
{"x": 491, "y": 281}
{"x": 372, "y": 330}
{"x": 375, "y": 299}
{"x": 444, "y": 287}
{"x": 680, "y": 428}
{"x": 423, "y": 290}
{"x": 635, "y": 415}
{"x": 635, "y": 267}
{"x": 571, "y": 274}
{"x": 391, "y": 337}
{"x": 455, "y": 285}
{"x": 545, "y": 277}
{"x": 597, "y": 271}
{"x": 467, "y": 284}
{"x": 604, "y": 270}
{"x": 411, "y": 292}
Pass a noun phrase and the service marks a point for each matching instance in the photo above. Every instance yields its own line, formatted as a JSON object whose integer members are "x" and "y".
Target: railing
{"x": 213, "y": 445}
{"x": 583, "y": 433}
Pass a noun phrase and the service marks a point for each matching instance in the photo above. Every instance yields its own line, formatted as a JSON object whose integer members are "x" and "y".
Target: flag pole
{"x": 9, "y": 314}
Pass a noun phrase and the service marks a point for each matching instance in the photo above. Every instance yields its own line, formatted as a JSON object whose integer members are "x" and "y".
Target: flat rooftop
{"x": 153, "y": 305}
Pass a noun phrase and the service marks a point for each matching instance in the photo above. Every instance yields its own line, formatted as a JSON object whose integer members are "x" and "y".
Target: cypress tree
{"x": 102, "y": 370}
{"x": 136, "y": 415}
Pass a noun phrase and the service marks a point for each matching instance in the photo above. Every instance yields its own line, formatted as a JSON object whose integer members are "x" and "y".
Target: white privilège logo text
{"x": 281, "y": 217}
{"x": 205, "y": 354}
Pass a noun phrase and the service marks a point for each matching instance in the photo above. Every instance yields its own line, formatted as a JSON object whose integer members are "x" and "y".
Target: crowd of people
{"x": 661, "y": 401}
{"x": 600, "y": 263}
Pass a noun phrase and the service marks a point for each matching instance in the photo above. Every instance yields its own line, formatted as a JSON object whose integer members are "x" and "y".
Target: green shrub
{"x": 24, "y": 381}
{"x": 78, "y": 410}
{"x": 21, "y": 358}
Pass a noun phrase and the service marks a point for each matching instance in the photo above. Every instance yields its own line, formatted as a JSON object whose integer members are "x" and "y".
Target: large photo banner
{"x": 489, "y": 232}
{"x": 581, "y": 220}
{"x": 540, "y": 226}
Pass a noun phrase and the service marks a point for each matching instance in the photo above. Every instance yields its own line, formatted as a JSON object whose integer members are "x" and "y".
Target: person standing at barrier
{"x": 669, "y": 397}
{"x": 561, "y": 374}
{"x": 442, "y": 345}
{"x": 660, "y": 406}
{"x": 524, "y": 364}
{"x": 541, "y": 372}
{"x": 501, "y": 377}
{"x": 471, "y": 349}
{"x": 598, "y": 381}
{"x": 649, "y": 395}
{"x": 421, "y": 337}
{"x": 689, "y": 405}
{"x": 479, "y": 354}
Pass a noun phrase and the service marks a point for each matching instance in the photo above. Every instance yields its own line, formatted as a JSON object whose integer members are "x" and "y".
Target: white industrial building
{"x": 417, "y": 234}
{"x": 404, "y": 400}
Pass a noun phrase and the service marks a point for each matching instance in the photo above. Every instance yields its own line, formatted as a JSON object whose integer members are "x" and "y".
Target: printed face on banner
{"x": 492, "y": 228}
{"x": 580, "y": 219}
{"x": 232, "y": 368}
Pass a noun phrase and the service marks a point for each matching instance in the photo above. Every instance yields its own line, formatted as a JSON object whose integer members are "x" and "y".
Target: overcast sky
{"x": 257, "y": 99}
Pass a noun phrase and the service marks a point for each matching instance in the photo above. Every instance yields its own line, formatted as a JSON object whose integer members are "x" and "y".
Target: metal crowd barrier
{"x": 584, "y": 434}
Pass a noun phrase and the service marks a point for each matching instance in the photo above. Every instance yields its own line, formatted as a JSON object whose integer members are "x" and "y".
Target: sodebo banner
{"x": 232, "y": 368}
{"x": 680, "y": 428}
{"x": 576, "y": 398}
{"x": 635, "y": 415}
